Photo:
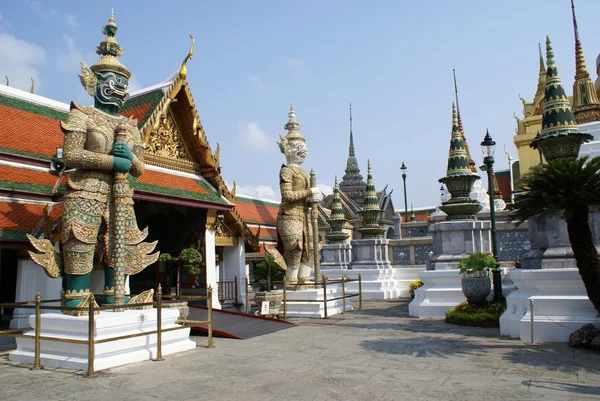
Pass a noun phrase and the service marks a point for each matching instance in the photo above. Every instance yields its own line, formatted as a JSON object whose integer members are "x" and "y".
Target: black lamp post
{"x": 488, "y": 147}
{"x": 403, "y": 168}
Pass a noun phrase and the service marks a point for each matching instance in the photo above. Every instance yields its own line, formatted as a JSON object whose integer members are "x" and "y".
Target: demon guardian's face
{"x": 111, "y": 88}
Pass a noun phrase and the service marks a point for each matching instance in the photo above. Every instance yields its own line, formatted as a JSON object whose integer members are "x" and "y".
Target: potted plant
{"x": 265, "y": 273}
{"x": 475, "y": 269}
{"x": 189, "y": 260}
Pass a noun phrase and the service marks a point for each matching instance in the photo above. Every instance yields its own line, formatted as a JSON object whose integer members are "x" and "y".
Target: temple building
{"x": 584, "y": 102}
{"x": 352, "y": 191}
{"x": 182, "y": 197}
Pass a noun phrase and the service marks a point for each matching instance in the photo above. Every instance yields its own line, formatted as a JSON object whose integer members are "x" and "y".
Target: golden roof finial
{"x": 580, "y": 67}
{"x": 542, "y": 66}
{"x": 32, "y": 86}
{"x": 111, "y": 19}
{"x": 183, "y": 69}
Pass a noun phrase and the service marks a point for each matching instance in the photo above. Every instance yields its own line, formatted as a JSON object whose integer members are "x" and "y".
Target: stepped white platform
{"x": 389, "y": 283}
{"x": 441, "y": 291}
{"x": 560, "y": 305}
{"x": 107, "y": 324}
{"x": 309, "y": 303}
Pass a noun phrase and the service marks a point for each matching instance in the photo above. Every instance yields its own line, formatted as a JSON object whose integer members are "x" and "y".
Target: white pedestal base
{"x": 388, "y": 283}
{"x": 313, "y": 305}
{"x": 31, "y": 278}
{"x": 440, "y": 292}
{"x": 560, "y": 305}
{"x": 108, "y": 324}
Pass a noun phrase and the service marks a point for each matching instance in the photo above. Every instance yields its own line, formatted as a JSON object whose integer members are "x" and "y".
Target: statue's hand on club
{"x": 316, "y": 195}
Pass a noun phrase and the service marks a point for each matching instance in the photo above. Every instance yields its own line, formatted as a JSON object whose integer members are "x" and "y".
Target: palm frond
{"x": 558, "y": 188}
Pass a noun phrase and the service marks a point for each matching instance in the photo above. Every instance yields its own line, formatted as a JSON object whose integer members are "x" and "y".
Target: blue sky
{"x": 392, "y": 59}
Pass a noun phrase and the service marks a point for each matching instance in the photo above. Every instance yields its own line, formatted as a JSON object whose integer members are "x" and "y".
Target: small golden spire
{"x": 580, "y": 67}
{"x": 542, "y": 66}
{"x": 32, "y": 86}
{"x": 183, "y": 69}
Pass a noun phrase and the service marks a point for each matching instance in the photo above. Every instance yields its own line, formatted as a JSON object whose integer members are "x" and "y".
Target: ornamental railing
{"x": 324, "y": 284}
{"x": 159, "y": 301}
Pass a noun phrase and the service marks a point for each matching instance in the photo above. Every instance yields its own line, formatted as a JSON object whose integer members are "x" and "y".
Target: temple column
{"x": 212, "y": 272}
{"x": 234, "y": 258}
{"x": 31, "y": 278}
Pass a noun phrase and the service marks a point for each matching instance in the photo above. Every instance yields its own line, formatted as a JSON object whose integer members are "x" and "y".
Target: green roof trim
{"x": 31, "y": 107}
{"x": 31, "y": 188}
{"x": 13, "y": 235}
{"x": 257, "y": 202}
{"x": 152, "y": 98}
{"x": 211, "y": 195}
{"x": 263, "y": 224}
{"x": 29, "y": 155}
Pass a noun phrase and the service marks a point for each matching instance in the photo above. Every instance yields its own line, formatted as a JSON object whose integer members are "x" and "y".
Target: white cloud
{"x": 134, "y": 84}
{"x": 34, "y": 5}
{"x": 69, "y": 60}
{"x": 256, "y": 81}
{"x": 255, "y": 138}
{"x": 326, "y": 189}
{"x": 24, "y": 62}
{"x": 297, "y": 64}
{"x": 259, "y": 191}
{"x": 71, "y": 20}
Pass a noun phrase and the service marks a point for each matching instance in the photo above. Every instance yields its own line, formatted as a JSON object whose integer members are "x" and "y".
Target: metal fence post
{"x": 324, "y": 281}
{"x": 343, "y": 295}
{"x": 62, "y": 300}
{"x": 159, "y": 356}
{"x": 532, "y": 318}
{"x": 38, "y": 320}
{"x": 91, "y": 329}
{"x": 359, "y": 292}
{"x": 235, "y": 280}
{"x": 210, "y": 318}
{"x": 284, "y": 298}
{"x": 247, "y": 296}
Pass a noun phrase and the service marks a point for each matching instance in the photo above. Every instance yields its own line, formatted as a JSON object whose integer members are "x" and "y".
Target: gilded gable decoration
{"x": 166, "y": 142}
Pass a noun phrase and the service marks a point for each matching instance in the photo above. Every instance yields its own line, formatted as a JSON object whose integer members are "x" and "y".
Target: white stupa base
{"x": 390, "y": 283}
{"x": 309, "y": 303}
{"x": 108, "y": 324}
{"x": 560, "y": 305}
{"x": 440, "y": 292}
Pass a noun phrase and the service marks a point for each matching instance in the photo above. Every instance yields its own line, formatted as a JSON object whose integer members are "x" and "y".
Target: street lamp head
{"x": 403, "y": 168}
{"x": 488, "y": 146}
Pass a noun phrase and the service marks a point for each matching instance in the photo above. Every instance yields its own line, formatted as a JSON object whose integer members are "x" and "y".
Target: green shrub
{"x": 477, "y": 264}
{"x": 473, "y": 315}
{"x": 190, "y": 259}
{"x": 412, "y": 286}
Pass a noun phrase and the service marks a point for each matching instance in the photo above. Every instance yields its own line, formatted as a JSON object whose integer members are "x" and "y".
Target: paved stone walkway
{"x": 376, "y": 354}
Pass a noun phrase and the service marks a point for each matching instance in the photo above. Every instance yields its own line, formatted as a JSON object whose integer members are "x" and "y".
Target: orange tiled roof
{"x": 256, "y": 211}
{"x": 17, "y": 219}
{"x": 138, "y": 113}
{"x": 172, "y": 185}
{"x": 29, "y": 133}
{"x": 29, "y": 181}
{"x": 264, "y": 231}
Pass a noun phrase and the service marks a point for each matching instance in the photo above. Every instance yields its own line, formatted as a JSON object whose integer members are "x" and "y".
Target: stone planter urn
{"x": 476, "y": 289}
{"x": 275, "y": 299}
